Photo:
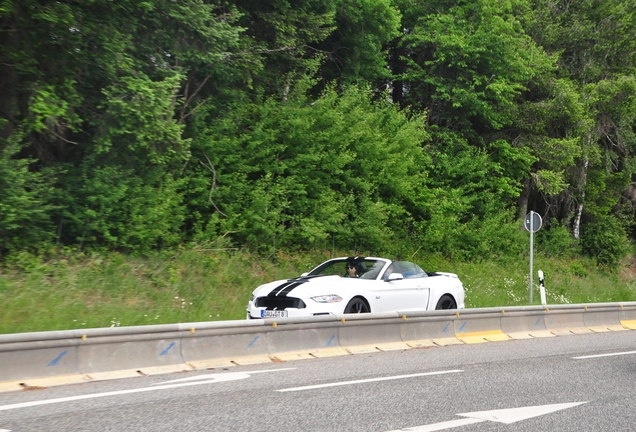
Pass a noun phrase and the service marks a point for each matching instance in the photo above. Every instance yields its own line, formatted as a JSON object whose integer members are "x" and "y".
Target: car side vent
{"x": 280, "y": 303}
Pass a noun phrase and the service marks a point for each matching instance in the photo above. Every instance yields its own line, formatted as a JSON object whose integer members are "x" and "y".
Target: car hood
{"x": 304, "y": 286}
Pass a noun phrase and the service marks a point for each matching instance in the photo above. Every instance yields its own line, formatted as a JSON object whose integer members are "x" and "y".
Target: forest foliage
{"x": 366, "y": 125}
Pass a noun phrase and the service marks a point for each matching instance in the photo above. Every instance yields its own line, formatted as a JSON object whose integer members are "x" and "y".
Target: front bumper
{"x": 311, "y": 309}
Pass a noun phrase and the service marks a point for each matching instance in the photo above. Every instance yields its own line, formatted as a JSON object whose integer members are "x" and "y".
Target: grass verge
{"x": 112, "y": 290}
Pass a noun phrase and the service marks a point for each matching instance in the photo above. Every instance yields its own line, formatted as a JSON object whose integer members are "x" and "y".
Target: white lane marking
{"x": 5, "y": 430}
{"x": 506, "y": 416}
{"x": 605, "y": 355}
{"x": 231, "y": 376}
{"x": 367, "y": 380}
{"x": 212, "y": 378}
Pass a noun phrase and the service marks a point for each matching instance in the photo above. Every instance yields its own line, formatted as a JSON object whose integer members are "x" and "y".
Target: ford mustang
{"x": 357, "y": 285}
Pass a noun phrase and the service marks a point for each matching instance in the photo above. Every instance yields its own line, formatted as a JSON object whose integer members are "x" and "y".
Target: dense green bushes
{"x": 338, "y": 170}
{"x": 605, "y": 240}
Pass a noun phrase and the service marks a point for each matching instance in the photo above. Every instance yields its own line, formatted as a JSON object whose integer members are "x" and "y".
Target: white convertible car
{"x": 357, "y": 285}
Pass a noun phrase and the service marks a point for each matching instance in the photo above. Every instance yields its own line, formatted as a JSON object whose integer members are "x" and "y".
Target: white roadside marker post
{"x": 542, "y": 288}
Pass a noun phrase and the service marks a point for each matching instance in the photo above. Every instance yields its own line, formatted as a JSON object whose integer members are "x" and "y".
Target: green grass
{"x": 112, "y": 290}
{"x": 566, "y": 282}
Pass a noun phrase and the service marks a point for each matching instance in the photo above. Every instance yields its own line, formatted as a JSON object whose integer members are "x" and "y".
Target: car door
{"x": 404, "y": 294}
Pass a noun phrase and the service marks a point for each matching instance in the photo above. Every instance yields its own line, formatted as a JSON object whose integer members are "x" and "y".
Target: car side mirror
{"x": 394, "y": 276}
{"x": 304, "y": 274}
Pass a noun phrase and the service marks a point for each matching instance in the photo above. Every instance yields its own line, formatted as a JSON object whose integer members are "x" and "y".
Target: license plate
{"x": 273, "y": 314}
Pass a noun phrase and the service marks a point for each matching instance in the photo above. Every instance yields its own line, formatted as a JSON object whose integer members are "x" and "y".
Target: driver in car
{"x": 352, "y": 271}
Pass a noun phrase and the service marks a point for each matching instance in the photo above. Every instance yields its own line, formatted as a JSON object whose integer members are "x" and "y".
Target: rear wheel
{"x": 357, "y": 305}
{"x": 446, "y": 302}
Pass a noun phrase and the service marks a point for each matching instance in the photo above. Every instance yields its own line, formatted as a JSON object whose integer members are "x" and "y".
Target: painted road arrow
{"x": 505, "y": 416}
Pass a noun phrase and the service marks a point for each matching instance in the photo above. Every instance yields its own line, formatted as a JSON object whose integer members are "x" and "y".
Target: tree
{"x": 467, "y": 65}
{"x": 595, "y": 43}
{"x": 94, "y": 90}
{"x": 355, "y": 50}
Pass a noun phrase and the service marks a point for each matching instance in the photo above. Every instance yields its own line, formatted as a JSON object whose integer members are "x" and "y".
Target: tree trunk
{"x": 398, "y": 68}
{"x": 522, "y": 201}
{"x": 576, "y": 229}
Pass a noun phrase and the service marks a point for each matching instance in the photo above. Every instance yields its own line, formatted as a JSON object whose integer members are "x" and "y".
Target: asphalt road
{"x": 546, "y": 384}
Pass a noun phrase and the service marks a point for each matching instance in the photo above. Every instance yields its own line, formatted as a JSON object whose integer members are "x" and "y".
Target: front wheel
{"x": 446, "y": 302}
{"x": 357, "y": 305}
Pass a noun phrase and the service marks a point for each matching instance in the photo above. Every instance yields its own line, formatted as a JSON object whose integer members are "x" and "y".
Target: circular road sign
{"x": 536, "y": 221}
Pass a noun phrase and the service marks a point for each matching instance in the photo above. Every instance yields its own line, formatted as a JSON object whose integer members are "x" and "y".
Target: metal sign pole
{"x": 531, "y": 250}
{"x": 532, "y": 225}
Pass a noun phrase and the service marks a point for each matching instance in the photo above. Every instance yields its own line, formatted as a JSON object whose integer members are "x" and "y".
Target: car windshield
{"x": 353, "y": 268}
{"x": 408, "y": 270}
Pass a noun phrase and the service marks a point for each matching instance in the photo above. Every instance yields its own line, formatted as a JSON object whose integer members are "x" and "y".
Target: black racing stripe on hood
{"x": 285, "y": 288}
{"x": 279, "y": 288}
{"x": 288, "y": 289}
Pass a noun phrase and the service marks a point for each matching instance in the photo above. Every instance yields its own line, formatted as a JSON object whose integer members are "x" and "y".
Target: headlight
{"x": 330, "y": 298}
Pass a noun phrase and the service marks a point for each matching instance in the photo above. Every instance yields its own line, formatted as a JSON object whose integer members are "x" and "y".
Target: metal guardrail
{"x": 49, "y": 358}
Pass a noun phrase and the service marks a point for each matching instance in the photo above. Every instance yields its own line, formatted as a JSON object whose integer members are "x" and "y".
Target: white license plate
{"x": 273, "y": 314}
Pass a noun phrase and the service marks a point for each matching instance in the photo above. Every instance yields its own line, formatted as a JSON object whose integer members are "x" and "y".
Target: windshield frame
{"x": 371, "y": 268}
